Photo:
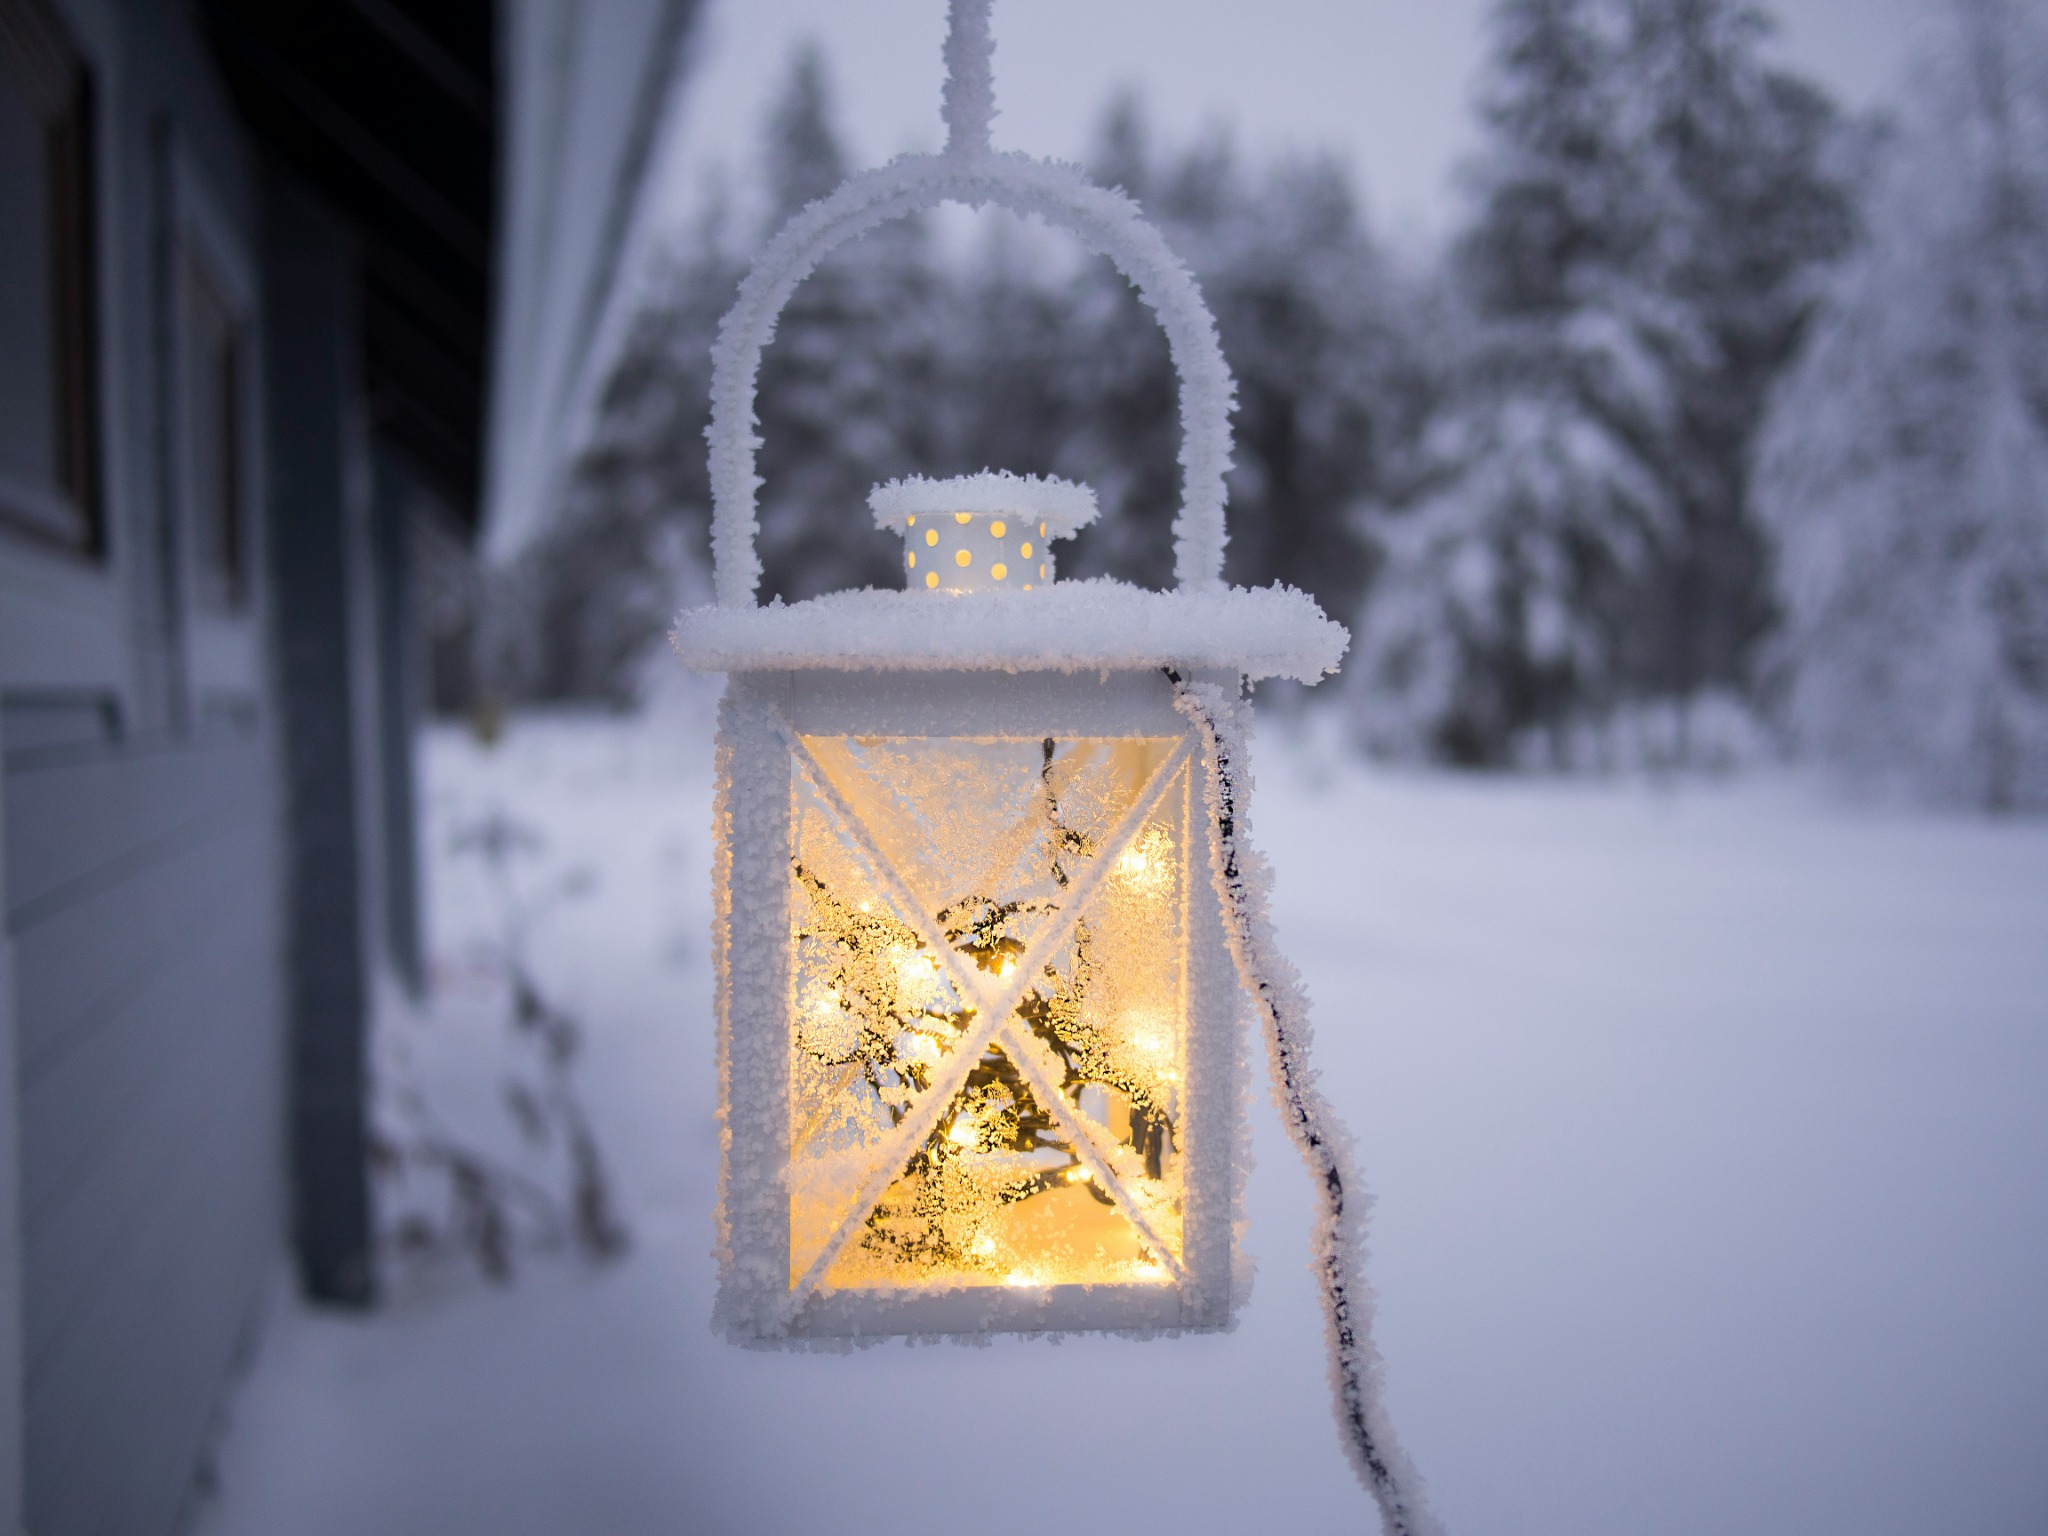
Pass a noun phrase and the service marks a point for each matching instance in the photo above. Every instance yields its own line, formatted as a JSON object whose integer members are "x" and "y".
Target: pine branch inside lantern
{"x": 1053, "y": 1158}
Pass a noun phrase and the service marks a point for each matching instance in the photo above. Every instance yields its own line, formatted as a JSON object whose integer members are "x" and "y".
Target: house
{"x": 256, "y": 262}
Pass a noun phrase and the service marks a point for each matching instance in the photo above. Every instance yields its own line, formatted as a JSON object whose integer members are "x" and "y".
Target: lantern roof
{"x": 1069, "y": 626}
{"x": 1062, "y": 505}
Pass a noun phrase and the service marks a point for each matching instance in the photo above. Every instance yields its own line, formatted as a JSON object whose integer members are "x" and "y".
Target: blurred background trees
{"x": 1719, "y": 405}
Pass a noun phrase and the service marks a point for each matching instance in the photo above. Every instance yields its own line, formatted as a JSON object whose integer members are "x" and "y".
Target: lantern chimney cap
{"x": 1062, "y": 505}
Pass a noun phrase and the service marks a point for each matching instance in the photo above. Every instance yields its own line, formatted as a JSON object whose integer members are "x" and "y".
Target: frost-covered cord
{"x": 969, "y": 102}
{"x": 1243, "y": 887}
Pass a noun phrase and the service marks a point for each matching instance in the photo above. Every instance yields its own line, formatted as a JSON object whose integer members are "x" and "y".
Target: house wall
{"x": 190, "y": 823}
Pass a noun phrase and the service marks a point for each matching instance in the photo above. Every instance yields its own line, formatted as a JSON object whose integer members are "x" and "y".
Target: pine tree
{"x": 1745, "y": 209}
{"x": 1650, "y": 208}
{"x": 1313, "y": 318}
{"x": 847, "y": 389}
{"x": 1905, "y": 469}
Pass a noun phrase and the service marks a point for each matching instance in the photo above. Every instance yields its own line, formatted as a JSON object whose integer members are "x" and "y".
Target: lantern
{"x": 980, "y": 1021}
{"x": 985, "y": 917}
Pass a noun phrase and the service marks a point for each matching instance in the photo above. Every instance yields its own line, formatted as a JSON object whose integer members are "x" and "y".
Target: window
{"x": 49, "y": 446}
{"x": 215, "y": 371}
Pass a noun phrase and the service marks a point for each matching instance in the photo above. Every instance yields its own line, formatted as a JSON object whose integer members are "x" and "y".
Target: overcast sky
{"x": 1387, "y": 82}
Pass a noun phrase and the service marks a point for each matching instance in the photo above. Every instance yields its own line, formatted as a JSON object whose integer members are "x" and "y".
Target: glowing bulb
{"x": 1078, "y": 1175}
{"x": 999, "y": 570}
{"x": 962, "y": 1134}
{"x": 931, "y": 536}
{"x": 984, "y": 1246}
{"x": 1020, "y": 1277}
{"x": 998, "y": 529}
{"x": 961, "y": 557}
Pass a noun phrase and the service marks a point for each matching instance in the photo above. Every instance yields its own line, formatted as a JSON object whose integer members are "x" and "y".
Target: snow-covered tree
{"x": 1905, "y": 470}
{"x": 1651, "y": 204}
{"x": 1318, "y": 324}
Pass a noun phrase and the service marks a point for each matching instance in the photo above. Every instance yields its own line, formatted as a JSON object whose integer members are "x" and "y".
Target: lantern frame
{"x": 764, "y": 722}
{"x": 992, "y": 663}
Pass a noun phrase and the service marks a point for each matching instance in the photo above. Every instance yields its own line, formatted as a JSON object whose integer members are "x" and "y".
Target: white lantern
{"x": 980, "y": 1022}
{"x": 985, "y": 926}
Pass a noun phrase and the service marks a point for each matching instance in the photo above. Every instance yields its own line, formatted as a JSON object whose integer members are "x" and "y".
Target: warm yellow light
{"x": 999, "y": 570}
{"x": 931, "y": 578}
{"x": 961, "y": 557}
{"x": 963, "y": 517}
{"x": 998, "y": 529}
{"x": 912, "y": 558}
{"x": 1025, "y": 550}
{"x": 1010, "y": 1179}
{"x": 931, "y": 535}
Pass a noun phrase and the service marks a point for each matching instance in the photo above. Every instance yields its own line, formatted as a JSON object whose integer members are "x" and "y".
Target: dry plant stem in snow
{"x": 489, "y": 1204}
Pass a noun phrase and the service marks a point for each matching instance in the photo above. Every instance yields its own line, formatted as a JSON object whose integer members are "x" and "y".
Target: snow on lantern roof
{"x": 1069, "y": 626}
{"x": 1063, "y": 506}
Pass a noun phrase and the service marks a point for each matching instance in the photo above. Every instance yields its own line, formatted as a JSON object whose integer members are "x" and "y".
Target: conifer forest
{"x": 1719, "y": 427}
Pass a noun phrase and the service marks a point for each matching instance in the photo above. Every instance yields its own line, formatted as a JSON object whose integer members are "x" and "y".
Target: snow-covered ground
{"x": 1709, "y": 1126}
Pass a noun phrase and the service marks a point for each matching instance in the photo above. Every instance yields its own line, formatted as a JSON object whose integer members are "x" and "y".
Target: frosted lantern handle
{"x": 1106, "y": 221}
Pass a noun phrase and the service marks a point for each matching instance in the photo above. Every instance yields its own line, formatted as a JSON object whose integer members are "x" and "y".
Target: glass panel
{"x": 995, "y": 1196}
{"x": 988, "y": 836}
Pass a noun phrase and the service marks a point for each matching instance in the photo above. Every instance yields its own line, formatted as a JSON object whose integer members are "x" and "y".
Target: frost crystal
{"x": 1064, "y": 507}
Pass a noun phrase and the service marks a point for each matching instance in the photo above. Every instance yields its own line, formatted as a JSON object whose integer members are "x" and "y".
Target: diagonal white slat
{"x": 1042, "y": 1073}
{"x": 991, "y": 1009}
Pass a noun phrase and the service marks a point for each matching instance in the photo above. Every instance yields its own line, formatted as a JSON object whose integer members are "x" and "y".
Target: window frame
{"x": 39, "y": 53}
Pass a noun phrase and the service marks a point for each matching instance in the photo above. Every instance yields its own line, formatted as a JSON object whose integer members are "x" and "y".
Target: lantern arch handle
{"x": 1106, "y": 221}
